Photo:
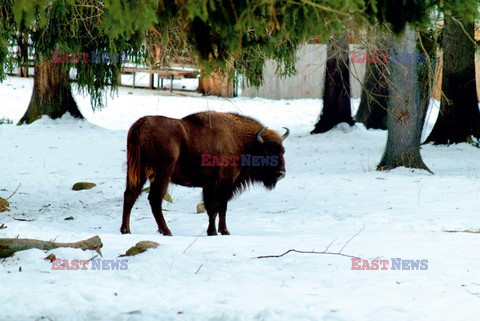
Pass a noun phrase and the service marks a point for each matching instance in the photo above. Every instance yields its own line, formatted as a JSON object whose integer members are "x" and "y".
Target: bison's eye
{"x": 268, "y": 153}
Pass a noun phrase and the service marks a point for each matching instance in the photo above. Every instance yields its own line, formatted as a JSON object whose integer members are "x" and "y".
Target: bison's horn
{"x": 286, "y": 133}
{"x": 259, "y": 133}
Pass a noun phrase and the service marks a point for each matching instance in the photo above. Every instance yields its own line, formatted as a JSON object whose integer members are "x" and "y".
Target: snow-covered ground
{"x": 330, "y": 193}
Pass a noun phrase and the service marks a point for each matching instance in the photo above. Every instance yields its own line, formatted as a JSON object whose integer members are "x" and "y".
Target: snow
{"x": 331, "y": 192}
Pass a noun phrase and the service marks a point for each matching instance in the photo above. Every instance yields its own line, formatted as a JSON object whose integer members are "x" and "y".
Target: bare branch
{"x": 326, "y": 249}
{"x": 462, "y": 231}
{"x": 326, "y": 252}
{"x": 191, "y": 243}
{"x": 305, "y": 252}
{"x": 345, "y": 245}
{"x": 464, "y": 31}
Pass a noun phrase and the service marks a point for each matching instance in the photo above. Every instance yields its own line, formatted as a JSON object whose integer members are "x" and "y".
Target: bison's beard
{"x": 270, "y": 185}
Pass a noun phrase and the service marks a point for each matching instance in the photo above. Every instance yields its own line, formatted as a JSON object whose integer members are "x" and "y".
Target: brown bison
{"x": 167, "y": 150}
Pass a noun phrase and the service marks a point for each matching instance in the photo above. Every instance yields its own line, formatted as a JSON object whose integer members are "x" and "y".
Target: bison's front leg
{"x": 215, "y": 200}
{"x": 222, "y": 222}
{"x": 211, "y": 205}
{"x": 211, "y": 230}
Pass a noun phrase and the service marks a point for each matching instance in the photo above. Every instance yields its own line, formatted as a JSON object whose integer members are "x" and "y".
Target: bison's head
{"x": 269, "y": 145}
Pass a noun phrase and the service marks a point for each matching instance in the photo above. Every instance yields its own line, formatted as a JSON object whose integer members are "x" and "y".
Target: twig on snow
{"x": 189, "y": 245}
{"x": 326, "y": 249}
{"x": 93, "y": 257}
{"x": 345, "y": 245}
{"x": 14, "y": 191}
{"x": 305, "y": 252}
{"x": 326, "y": 252}
{"x": 23, "y": 219}
{"x": 462, "y": 231}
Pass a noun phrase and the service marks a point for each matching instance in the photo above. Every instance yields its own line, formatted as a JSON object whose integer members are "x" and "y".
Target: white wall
{"x": 309, "y": 81}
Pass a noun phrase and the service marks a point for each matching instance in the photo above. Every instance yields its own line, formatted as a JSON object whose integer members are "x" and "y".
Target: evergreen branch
{"x": 324, "y": 8}
{"x": 98, "y": 8}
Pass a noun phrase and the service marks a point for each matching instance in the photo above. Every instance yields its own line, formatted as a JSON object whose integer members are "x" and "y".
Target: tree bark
{"x": 52, "y": 94}
{"x": 404, "y": 116}
{"x": 459, "y": 117}
{"x": 336, "y": 94}
{"x": 372, "y": 111}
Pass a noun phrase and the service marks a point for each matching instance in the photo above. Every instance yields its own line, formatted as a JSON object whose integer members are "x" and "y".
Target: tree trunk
{"x": 426, "y": 75}
{"x": 372, "y": 111}
{"x": 52, "y": 94}
{"x": 404, "y": 116}
{"x": 336, "y": 94}
{"x": 459, "y": 117}
{"x": 22, "y": 54}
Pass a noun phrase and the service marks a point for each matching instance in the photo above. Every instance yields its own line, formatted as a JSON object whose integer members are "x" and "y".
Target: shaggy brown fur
{"x": 167, "y": 150}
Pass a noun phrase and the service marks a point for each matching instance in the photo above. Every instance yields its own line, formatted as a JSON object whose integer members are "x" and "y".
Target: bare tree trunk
{"x": 426, "y": 73}
{"x": 336, "y": 94}
{"x": 372, "y": 111}
{"x": 459, "y": 117}
{"x": 22, "y": 54}
{"x": 52, "y": 94}
{"x": 404, "y": 117}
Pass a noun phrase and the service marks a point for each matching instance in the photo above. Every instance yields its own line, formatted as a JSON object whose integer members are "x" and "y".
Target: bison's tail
{"x": 133, "y": 161}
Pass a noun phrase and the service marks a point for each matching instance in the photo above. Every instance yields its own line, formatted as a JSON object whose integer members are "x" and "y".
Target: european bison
{"x": 167, "y": 150}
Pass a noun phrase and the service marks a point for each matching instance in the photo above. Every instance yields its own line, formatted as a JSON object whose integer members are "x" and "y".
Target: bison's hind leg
{"x": 158, "y": 189}
{"x": 129, "y": 197}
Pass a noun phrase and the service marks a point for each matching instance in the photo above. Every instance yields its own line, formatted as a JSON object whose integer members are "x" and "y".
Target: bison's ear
{"x": 286, "y": 133}
{"x": 259, "y": 134}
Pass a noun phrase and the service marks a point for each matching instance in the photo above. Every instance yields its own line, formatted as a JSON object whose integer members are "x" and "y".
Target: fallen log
{"x": 140, "y": 247}
{"x": 9, "y": 246}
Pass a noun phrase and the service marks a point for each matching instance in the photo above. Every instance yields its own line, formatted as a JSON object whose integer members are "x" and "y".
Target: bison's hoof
{"x": 124, "y": 230}
{"x": 165, "y": 233}
{"x": 212, "y": 233}
{"x": 224, "y": 232}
